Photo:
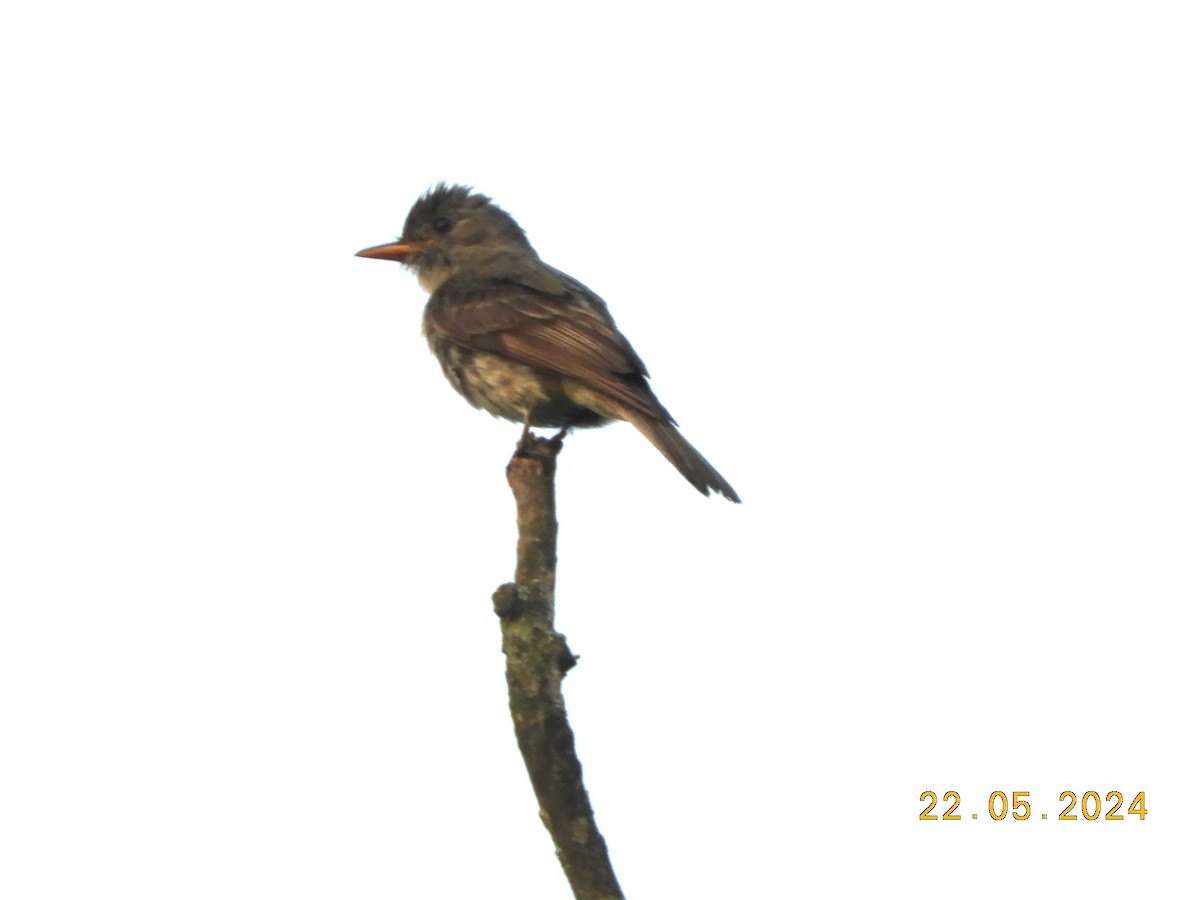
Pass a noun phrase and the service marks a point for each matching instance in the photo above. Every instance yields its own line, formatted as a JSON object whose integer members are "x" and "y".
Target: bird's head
{"x": 450, "y": 229}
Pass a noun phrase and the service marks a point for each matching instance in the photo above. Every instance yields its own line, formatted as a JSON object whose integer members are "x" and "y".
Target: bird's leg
{"x": 529, "y": 439}
{"x": 523, "y": 443}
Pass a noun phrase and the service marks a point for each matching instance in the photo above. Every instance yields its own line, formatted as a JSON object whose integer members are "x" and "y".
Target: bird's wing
{"x": 567, "y": 330}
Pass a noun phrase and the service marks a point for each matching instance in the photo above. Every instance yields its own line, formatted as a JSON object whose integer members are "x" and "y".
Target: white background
{"x": 919, "y": 278}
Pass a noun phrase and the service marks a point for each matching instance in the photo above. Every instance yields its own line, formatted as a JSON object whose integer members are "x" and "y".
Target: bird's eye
{"x": 442, "y": 224}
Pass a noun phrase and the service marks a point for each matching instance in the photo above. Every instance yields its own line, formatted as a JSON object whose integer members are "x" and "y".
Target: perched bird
{"x": 523, "y": 340}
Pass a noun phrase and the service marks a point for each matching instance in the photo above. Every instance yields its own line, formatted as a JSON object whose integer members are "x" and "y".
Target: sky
{"x": 920, "y": 279}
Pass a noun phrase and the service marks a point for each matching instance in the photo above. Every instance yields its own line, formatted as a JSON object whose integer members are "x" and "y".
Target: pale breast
{"x": 513, "y": 390}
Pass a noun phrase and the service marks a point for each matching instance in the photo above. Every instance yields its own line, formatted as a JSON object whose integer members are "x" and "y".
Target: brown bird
{"x": 523, "y": 340}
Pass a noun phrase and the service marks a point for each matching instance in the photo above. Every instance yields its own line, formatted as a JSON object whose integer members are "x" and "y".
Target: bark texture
{"x": 537, "y": 659}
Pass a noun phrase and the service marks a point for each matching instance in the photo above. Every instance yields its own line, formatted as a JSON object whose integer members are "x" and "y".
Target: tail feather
{"x": 684, "y": 457}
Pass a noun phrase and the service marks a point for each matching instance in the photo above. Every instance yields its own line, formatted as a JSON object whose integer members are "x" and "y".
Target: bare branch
{"x": 537, "y": 659}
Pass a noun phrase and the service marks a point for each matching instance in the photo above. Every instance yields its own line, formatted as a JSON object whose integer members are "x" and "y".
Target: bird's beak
{"x": 397, "y": 251}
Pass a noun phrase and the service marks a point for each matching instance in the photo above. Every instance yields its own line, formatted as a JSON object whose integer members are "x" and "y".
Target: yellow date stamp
{"x": 1087, "y": 805}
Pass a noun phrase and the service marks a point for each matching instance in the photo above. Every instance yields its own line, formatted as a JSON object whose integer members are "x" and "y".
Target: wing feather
{"x": 567, "y": 330}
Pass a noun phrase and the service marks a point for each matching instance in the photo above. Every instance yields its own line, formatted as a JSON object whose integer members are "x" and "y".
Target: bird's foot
{"x": 530, "y": 442}
{"x": 525, "y": 444}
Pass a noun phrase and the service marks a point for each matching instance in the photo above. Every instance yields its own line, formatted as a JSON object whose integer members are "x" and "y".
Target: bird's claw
{"x": 529, "y": 441}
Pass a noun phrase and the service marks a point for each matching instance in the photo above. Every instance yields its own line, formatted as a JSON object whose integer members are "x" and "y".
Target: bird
{"x": 522, "y": 340}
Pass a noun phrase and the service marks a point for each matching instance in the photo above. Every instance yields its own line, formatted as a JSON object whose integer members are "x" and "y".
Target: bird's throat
{"x": 432, "y": 278}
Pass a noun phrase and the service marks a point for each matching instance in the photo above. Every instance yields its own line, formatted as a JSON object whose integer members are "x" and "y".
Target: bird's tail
{"x": 683, "y": 456}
